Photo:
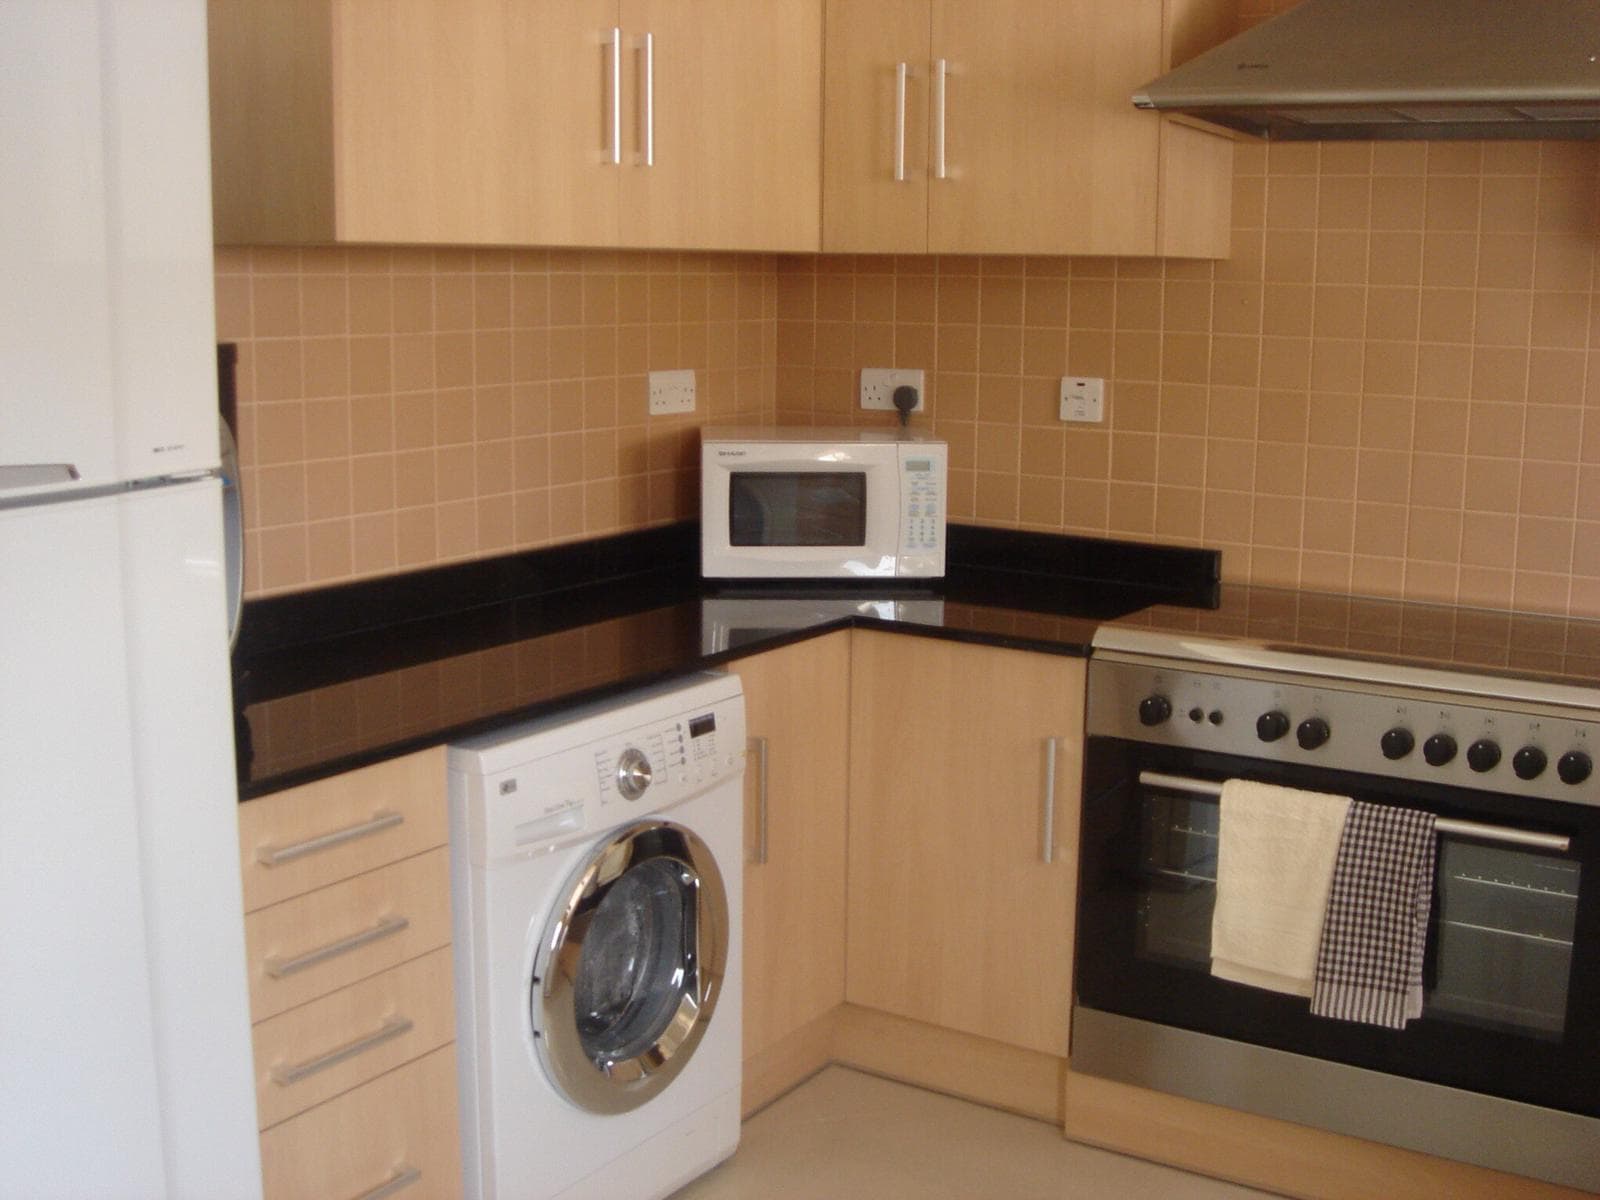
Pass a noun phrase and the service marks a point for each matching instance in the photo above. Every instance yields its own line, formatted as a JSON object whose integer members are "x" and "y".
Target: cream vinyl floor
{"x": 844, "y": 1135}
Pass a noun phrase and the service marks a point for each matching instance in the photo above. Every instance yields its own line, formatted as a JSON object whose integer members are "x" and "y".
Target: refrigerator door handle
{"x": 232, "y": 531}
{"x": 29, "y": 475}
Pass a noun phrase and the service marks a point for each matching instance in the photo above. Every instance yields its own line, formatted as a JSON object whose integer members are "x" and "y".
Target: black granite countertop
{"x": 331, "y": 680}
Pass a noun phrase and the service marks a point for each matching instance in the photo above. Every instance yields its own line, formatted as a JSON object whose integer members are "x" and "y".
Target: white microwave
{"x": 822, "y": 504}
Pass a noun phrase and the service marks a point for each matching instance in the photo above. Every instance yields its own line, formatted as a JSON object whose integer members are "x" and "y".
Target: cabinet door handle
{"x": 1052, "y": 748}
{"x": 272, "y": 856}
{"x": 649, "y": 90}
{"x": 900, "y": 72}
{"x": 278, "y": 966}
{"x": 760, "y": 745}
{"x": 392, "y": 1028}
{"x": 403, "y": 1176}
{"x": 614, "y": 125}
{"x": 941, "y": 70}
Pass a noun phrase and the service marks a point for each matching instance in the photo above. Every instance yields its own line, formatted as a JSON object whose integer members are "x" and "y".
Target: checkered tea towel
{"x": 1369, "y": 964}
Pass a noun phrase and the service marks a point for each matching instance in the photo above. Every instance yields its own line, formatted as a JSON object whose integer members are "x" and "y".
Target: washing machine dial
{"x": 633, "y": 773}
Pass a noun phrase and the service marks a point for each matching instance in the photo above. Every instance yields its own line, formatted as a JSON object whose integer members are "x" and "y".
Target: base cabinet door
{"x": 964, "y": 794}
{"x": 797, "y": 715}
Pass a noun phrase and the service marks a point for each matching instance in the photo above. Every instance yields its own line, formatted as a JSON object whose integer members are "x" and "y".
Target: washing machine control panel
{"x": 542, "y": 787}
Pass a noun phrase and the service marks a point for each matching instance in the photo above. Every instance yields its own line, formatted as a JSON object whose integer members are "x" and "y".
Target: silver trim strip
{"x": 1505, "y": 1135}
{"x": 1445, "y": 825}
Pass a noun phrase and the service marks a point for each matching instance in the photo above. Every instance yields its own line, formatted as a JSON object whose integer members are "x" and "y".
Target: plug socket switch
{"x": 1083, "y": 398}
{"x": 878, "y": 385}
{"x": 671, "y": 392}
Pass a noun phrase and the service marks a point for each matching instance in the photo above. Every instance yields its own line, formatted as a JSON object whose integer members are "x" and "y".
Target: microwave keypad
{"x": 922, "y": 506}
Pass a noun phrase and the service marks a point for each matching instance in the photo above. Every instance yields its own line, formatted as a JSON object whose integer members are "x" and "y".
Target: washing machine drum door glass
{"x": 630, "y": 967}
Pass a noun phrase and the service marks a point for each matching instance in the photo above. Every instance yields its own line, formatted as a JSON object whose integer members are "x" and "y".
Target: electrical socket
{"x": 671, "y": 392}
{"x": 878, "y": 385}
{"x": 1083, "y": 399}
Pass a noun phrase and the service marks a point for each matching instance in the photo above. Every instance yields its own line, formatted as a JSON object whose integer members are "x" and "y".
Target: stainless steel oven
{"x": 1503, "y": 1067}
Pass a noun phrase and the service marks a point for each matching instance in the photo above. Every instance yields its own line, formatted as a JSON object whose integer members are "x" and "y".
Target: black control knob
{"x": 1153, "y": 710}
{"x": 1439, "y": 749}
{"x": 1270, "y": 726}
{"x": 1529, "y": 762}
{"x": 1197, "y": 715}
{"x": 1483, "y": 755}
{"x": 1574, "y": 766}
{"x": 1397, "y": 743}
{"x": 1312, "y": 732}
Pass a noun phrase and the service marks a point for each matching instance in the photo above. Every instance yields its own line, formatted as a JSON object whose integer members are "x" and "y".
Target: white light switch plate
{"x": 671, "y": 392}
{"x": 1083, "y": 399}
{"x": 878, "y": 385}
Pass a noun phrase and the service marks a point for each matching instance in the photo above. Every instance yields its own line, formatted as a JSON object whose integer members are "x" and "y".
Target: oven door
{"x": 1511, "y": 1004}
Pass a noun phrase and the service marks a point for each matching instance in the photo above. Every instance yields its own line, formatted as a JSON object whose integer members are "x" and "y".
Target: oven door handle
{"x": 1472, "y": 829}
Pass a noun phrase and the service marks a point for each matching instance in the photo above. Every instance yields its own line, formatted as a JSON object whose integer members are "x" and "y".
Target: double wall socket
{"x": 878, "y": 385}
{"x": 1083, "y": 399}
{"x": 671, "y": 392}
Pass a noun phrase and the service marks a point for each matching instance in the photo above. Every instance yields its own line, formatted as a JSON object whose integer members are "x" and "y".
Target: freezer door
{"x": 125, "y": 1058}
{"x": 107, "y": 367}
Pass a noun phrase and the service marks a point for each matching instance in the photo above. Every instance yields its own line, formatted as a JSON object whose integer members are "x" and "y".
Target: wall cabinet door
{"x": 1019, "y": 133}
{"x": 796, "y": 703}
{"x": 955, "y": 916}
{"x": 694, "y": 124}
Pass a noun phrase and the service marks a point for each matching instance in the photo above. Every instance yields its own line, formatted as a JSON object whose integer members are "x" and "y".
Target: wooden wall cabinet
{"x": 1008, "y": 128}
{"x": 797, "y": 714}
{"x": 347, "y": 934}
{"x": 517, "y": 122}
{"x": 956, "y": 918}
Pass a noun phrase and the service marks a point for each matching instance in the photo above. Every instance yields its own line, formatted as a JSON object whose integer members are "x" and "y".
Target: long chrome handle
{"x": 1446, "y": 825}
{"x": 272, "y": 856}
{"x": 761, "y": 800}
{"x": 1052, "y": 749}
{"x": 900, "y": 72}
{"x": 278, "y": 967}
{"x": 615, "y": 124}
{"x": 403, "y": 1176}
{"x": 392, "y": 1028}
{"x": 649, "y": 99}
{"x": 941, "y": 69}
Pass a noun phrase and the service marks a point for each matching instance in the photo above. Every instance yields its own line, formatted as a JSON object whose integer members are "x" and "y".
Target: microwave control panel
{"x": 923, "y": 470}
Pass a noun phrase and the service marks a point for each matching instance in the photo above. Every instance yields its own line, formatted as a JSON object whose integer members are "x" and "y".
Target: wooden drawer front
{"x": 308, "y": 837}
{"x": 318, "y": 943}
{"x": 312, "y": 1053}
{"x": 351, "y": 1146}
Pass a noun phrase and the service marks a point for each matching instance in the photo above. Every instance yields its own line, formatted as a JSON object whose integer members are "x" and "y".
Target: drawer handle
{"x": 1052, "y": 748}
{"x": 272, "y": 856}
{"x": 392, "y": 1028}
{"x": 278, "y": 967}
{"x": 761, "y": 800}
{"x": 403, "y": 1176}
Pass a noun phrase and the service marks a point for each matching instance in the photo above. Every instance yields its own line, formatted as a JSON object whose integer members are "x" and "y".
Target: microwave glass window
{"x": 797, "y": 508}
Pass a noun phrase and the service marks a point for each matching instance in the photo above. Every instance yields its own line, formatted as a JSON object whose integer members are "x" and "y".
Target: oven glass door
{"x": 1511, "y": 1007}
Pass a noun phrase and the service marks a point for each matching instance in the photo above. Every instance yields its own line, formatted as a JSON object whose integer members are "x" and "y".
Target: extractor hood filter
{"x": 1331, "y": 69}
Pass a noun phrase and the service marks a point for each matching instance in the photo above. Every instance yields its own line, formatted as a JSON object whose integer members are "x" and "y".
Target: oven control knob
{"x": 1439, "y": 749}
{"x": 1153, "y": 710}
{"x": 1270, "y": 726}
{"x": 1483, "y": 755}
{"x": 1574, "y": 766}
{"x": 633, "y": 773}
{"x": 1529, "y": 762}
{"x": 1312, "y": 732}
{"x": 1397, "y": 743}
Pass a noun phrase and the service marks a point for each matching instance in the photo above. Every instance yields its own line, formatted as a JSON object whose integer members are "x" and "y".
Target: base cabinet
{"x": 797, "y": 715}
{"x": 347, "y": 933}
{"x": 964, "y": 798}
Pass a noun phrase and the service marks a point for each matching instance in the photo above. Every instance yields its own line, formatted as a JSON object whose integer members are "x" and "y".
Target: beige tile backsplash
{"x": 1392, "y": 386}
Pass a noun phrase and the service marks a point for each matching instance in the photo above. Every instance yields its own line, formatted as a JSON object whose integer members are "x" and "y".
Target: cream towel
{"x": 1275, "y": 857}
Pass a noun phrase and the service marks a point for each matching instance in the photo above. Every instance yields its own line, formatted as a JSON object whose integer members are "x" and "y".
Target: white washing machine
{"x": 597, "y": 873}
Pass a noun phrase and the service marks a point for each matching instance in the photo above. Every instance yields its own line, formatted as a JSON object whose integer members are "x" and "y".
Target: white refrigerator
{"x": 125, "y": 1056}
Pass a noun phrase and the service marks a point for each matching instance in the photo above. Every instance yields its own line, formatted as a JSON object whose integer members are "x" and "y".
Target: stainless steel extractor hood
{"x": 1332, "y": 69}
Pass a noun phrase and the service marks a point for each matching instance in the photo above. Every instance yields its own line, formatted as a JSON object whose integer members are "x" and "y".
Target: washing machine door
{"x": 630, "y": 967}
